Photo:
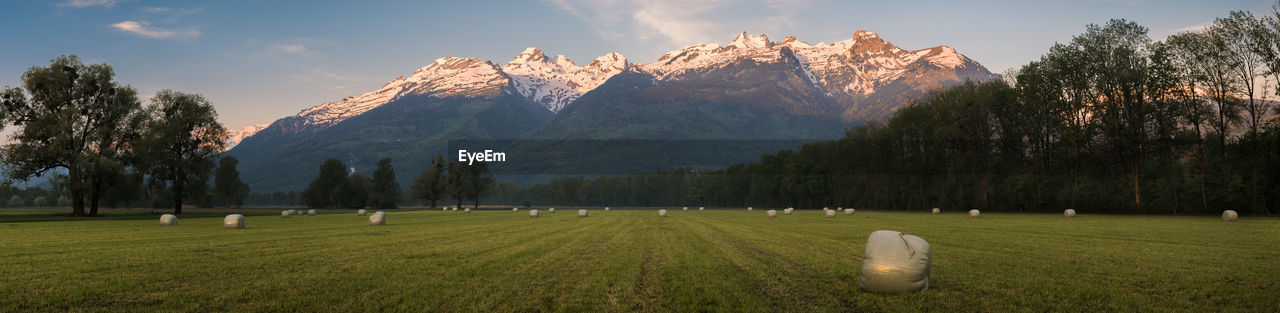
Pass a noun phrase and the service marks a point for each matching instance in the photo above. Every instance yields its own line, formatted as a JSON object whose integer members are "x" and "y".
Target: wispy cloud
{"x": 143, "y": 28}
{"x": 170, "y": 12}
{"x": 1192, "y": 28}
{"x": 332, "y": 80}
{"x": 89, "y": 3}
{"x": 672, "y": 24}
{"x": 304, "y": 47}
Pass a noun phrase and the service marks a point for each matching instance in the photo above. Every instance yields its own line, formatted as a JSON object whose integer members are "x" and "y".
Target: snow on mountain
{"x": 446, "y": 77}
{"x": 556, "y": 82}
{"x": 235, "y": 136}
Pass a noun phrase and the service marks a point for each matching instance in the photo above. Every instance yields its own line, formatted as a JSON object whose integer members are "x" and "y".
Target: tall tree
{"x": 323, "y": 190}
{"x": 477, "y": 182}
{"x": 74, "y": 117}
{"x": 432, "y": 184}
{"x": 385, "y": 191}
{"x": 457, "y": 178}
{"x": 227, "y": 184}
{"x": 182, "y": 141}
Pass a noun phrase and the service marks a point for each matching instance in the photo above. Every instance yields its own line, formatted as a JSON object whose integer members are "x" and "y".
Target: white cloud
{"x": 170, "y": 12}
{"x": 142, "y": 28}
{"x": 1192, "y": 28}
{"x": 89, "y": 3}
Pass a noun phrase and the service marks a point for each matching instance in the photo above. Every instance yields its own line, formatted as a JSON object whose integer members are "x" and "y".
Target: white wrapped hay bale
{"x": 551, "y": 210}
{"x": 1069, "y": 213}
{"x": 311, "y": 212}
{"x": 286, "y": 214}
{"x": 974, "y": 213}
{"x": 582, "y": 213}
{"x": 233, "y": 221}
{"x": 170, "y": 220}
{"x": 848, "y": 211}
{"x": 446, "y": 209}
{"x": 831, "y": 213}
{"x": 937, "y": 211}
{"x": 662, "y": 212}
{"x": 467, "y": 210}
{"x": 362, "y": 212}
{"x": 455, "y": 208}
{"x": 701, "y": 208}
{"x": 606, "y": 209}
{"x": 1230, "y": 216}
{"x": 771, "y": 213}
{"x": 894, "y": 263}
{"x": 378, "y": 219}
{"x": 515, "y": 209}
{"x": 293, "y": 212}
{"x": 749, "y": 209}
{"x": 533, "y": 213}
{"x": 788, "y": 211}
{"x": 685, "y": 209}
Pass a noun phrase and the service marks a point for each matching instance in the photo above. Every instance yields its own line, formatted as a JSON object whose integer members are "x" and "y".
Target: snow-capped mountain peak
{"x": 556, "y": 82}
{"x": 235, "y": 136}
{"x": 748, "y": 41}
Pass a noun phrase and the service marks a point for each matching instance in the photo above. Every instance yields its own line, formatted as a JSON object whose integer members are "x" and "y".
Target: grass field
{"x": 632, "y": 260}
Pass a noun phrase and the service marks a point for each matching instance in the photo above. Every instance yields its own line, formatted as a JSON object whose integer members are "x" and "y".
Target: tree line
{"x": 92, "y": 134}
{"x": 335, "y": 187}
{"x": 1111, "y": 121}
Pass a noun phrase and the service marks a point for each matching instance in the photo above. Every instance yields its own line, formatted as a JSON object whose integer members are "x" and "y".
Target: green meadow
{"x": 630, "y": 260}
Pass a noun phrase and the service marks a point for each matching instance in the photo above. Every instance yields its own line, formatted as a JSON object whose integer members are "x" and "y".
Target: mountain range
{"x": 751, "y": 88}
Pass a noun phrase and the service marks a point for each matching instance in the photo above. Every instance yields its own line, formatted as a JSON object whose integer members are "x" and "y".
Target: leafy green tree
{"x": 182, "y": 140}
{"x": 432, "y": 184}
{"x": 323, "y": 190}
{"x": 355, "y": 193}
{"x": 227, "y": 184}
{"x": 70, "y": 116}
{"x": 385, "y": 191}
{"x": 477, "y": 181}
{"x": 456, "y": 176}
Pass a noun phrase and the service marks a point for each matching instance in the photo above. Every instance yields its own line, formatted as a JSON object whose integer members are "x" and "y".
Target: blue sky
{"x": 262, "y": 60}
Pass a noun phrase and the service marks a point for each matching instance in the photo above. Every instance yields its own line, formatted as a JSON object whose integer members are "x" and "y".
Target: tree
{"x": 385, "y": 191}
{"x": 355, "y": 193}
{"x": 75, "y": 117}
{"x": 323, "y": 190}
{"x": 457, "y": 179}
{"x": 182, "y": 139}
{"x": 477, "y": 181}
{"x": 227, "y": 184}
{"x": 432, "y": 184}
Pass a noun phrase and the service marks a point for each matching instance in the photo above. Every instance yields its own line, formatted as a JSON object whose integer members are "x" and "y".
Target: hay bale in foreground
{"x": 515, "y": 209}
{"x": 233, "y": 221}
{"x": 771, "y": 213}
{"x": 378, "y": 219}
{"x": 1230, "y": 216}
{"x": 831, "y": 213}
{"x": 937, "y": 211}
{"x": 894, "y": 262}
{"x": 311, "y": 212}
{"x": 533, "y": 213}
{"x": 1069, "y": 213}
{"x": 362, "y": 212}
{"x": 788, "y": 211}
{"x": 285, "y": 214}
{"x": 467, "y": 210}
{"x": 848, "y": 211}
{"x": 551, "y": 210}
{"x": 974, "y": 213}
{"x": 170, "y": 220}
{"x": 662, "y": 212}
{"x": 582, "y": 213}
{"x": 685, "y": 209}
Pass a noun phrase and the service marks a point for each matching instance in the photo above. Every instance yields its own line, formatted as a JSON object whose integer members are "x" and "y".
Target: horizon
{"x": 263, "y": 64}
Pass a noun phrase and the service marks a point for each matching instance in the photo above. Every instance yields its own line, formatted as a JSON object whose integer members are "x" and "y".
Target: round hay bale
{"x": 293, "y": 212}
{"x": 551, "y": 210}
{"x": 467, "y": 210}
{"x": 533, "y": 213}
{"x": 170, "y": 220}
{"x": 444, "y": 209}
{"x": 233, "y": 221}
{"x": 771, "y": 213}
{"x": 1230, "y": 216}
{"x": 685, "y": 209}
{"x": 286, "y": 214}
{"x": 748, "y": 208}
{"x": 848, "y": 211}
{"x": 701, "y": 208}
{"x": 378, "y": 219}
{"x": 895, "y": 263}
{"x": 606, "y": 209}
{"x": 974, "y": 213}
{"x": 662, "y": 212}
{"x": 311, "y": 212}
{"x": 515, "y": 209}
{"x": 362, "y": 212}
{"x": 1069, "y": 213}
{"x": 937, "y": 211}
{"x": 455, "y": 208}
{"x": 831, "y": 213}
{"x": 788, "y": 211}
{"x": 582, "y": 213}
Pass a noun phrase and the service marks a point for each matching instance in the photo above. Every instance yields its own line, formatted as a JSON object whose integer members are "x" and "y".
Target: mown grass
{"x": 633, "y": 260}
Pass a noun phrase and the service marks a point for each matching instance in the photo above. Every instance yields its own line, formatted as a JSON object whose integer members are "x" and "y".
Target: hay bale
{"x": 788, "y": 211}
{"x": 170, "y": 220}
{"x": 551, "y": 210}
{"x": 515, "y": 209}
{"x": 311, "y": 212}
{"x": 606, "y": 209}
{"x": 662, "y": 212}
{"x": 1069, "y": 213}
{"x": 748, "y": 208}
{"x": 848, "y": 211}
{"x": 362, "y": 212}
{"x": 285, "y": 214}
{"x": 1230, "y": 216}
{"x": 233, "y": 221}
{"x": 974, "y": 213}
{"x": 582, "y": 213}
{"x": 771, "y": 213}
{"x": 937, "y": 211}
{"x": 378, "y": 219}
{"x": 701, "y": 208}
{"x": 467, "y": 210}
{"x": 455, "y": 208}
{"x": 446, "y": 209}
{"x": 894, "y": 263}
{"x": 831, "y": 213}
{"x": 533, "y": 213}
{"x": 685, "y": 209}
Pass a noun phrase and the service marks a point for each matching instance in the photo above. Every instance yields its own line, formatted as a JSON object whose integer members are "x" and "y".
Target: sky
{"x": 258, "y": 61}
